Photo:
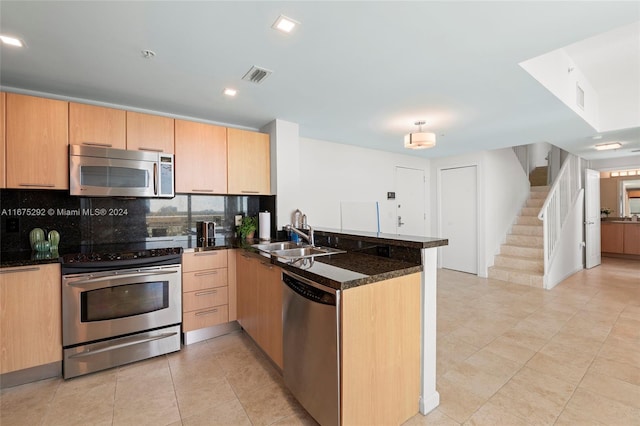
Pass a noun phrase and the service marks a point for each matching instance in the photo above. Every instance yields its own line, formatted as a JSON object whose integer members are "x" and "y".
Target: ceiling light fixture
{"x": 285, "y": 24}
{"x": 609, "y": 145}
{"x": 11, "y": 41}
{"x": 230, "y": 92}
{"x": 420, "y": 139}
{"x": 148, "y": 54}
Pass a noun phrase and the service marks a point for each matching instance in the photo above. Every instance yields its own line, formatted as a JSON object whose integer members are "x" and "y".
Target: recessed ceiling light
{"x": 610, "y": 145}
{"x": 11, "y": 41}
{"x": 230, "y": 92}
{"x": 285, "y": 24}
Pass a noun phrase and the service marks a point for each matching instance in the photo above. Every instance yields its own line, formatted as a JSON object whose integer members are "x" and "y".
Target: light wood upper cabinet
{"x": 248, "y": 162}
{"x": 30, "y": 317}
{"x": 200, "y": 158}
{"x": 37, "y": 138}
{"x": 3, "y": 162}
{"x": 146, "y": 132}
{"x": 96, "y": 125}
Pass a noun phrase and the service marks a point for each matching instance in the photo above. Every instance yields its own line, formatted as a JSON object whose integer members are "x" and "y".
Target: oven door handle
{"x": 90, "y": 352}
{"x": 115, "y": 275}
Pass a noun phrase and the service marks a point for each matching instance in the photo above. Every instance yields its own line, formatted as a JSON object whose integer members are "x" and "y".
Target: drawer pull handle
{"x": 202, "y": 190}
{"x": 142, "y": 148}
{"x": 201, "y": 274}
{"x": 43, "y": 185}
{"x": 212, "y": 311}
{"x": 106, "y": 145}
{"x": 249, "y": 192}
{"x": 15, "y": 271}
{"x": 206, "y": 253}
{"x": 204, "y": 293}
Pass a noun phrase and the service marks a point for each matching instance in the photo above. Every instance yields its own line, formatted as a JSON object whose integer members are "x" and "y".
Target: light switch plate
{"x": 238, "y": 219}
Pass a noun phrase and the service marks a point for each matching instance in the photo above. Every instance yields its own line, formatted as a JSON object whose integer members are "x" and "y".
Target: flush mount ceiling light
{"x": 609, "y": 145}
{"x": 285, "y": 24}
{"x": 11, "y": 41}
{"x": 230, "y": 92}
{"x": 420, "y": 139}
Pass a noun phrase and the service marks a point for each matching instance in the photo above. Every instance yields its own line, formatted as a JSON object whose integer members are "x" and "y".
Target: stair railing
{"x": 557, "y": 206}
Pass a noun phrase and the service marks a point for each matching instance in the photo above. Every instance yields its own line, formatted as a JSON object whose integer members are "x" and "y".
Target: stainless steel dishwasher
{"x": 311, "y": 341}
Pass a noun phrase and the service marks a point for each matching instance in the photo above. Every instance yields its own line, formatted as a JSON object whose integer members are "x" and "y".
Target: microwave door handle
{"x": 155, "y": 178}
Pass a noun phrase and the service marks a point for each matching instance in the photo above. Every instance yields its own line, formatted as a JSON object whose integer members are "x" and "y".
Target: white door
{"x": 458, "y": 203}
{"x": 592, "y": 218}
{"x": 410, "y": 214}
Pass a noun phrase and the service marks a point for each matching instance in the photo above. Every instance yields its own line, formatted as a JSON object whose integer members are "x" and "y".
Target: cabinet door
{"x": 248, "y": 162}
{"x": 270, "y": 310}
{"x": 246, "y": 293}
{"x": 611, "y": 237}
{"x": 30, "y": 317}
{"x": 146, "y": 132}
{"x": 96, "y": 125}
{"x": 201, "y": 158}
{"x": 3, "y": 163}
{"x": 631, "y": 238}
{"x": 37, "y": 140}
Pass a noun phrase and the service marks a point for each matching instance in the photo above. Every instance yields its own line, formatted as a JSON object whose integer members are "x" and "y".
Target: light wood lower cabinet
{"x": 620, "y": 238}
{"x": 205, "y": 289}
{"x": 30, "y": 317}
{"x": 259, "y": 290}
{"x": 380, "y": 382}
{"x": 631, "y": 238}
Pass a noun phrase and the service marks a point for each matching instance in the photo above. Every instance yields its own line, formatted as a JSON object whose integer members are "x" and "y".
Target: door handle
{"x": 400, "y": 222}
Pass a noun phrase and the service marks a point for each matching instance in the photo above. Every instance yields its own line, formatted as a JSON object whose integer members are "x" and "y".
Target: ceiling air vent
{"x": 257, "y": 74}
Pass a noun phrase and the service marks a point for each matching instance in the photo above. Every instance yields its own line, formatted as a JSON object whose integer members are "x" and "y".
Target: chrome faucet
{"x": 308, "y": 237}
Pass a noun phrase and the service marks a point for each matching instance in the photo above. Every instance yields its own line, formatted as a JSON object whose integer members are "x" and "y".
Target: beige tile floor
{"x": 507, "y": 355}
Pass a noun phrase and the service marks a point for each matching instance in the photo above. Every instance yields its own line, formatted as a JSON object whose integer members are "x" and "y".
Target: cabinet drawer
{"x": 204, "y": 260}
{"x": 205, "y": 298}
{"x": 200, "y": 280}
{"x": 205, "y": 318}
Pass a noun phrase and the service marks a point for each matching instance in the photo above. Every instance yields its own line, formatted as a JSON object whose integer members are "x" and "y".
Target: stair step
{"x": 525, "y": 240}
{"x": 528, "y": 220}
{"x": 535, "y": 230}
{"x": 519, "y": 263}
{"x": 535, "y": 202}
{"x": 542, "y": 188}
{"x": 522, "y": 251}
{"x": 537, "y": 194}
{"x": 516, "y": 277}
{"x": 530, "y": 211}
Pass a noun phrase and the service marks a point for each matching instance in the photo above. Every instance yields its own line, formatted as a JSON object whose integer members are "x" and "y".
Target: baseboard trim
{"x": 33, "y": 374}
{"x": 196, "y": 336}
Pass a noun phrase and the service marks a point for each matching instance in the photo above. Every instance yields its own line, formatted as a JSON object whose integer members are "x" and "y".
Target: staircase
{"x": 521, "y": 258}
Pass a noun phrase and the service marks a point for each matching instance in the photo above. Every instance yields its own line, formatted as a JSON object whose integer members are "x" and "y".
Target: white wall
{"x": 538, "y": 154}
{"x": 330, "y": 173}
{"x": 620, "y": 163}
{"x": 502, "y": 189}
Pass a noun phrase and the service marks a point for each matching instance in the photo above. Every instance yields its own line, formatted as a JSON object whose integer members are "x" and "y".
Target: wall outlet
{"x": 238, "y": 219}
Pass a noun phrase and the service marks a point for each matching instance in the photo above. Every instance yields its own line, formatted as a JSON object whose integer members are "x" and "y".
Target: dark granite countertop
{"x": 348, "y": 270}
{"x": 378, "y": 237}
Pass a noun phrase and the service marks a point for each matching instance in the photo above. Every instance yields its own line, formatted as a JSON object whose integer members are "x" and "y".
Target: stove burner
{"x": 119, "y": 256}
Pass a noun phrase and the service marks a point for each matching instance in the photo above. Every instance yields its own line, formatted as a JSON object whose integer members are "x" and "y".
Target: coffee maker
{"x": 206, "y": 233}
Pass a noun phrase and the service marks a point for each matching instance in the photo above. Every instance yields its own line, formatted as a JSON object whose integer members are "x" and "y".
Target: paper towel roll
{"x": 264, "y": 225}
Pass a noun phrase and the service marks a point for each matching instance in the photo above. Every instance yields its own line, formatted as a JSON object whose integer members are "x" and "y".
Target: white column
{"x": 429, "y": 397}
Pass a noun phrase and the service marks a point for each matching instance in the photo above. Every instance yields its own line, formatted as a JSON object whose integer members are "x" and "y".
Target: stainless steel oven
{"x": 113, "y": 314}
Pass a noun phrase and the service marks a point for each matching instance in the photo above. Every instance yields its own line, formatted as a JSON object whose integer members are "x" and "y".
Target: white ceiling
{"x": 354, "y": 72}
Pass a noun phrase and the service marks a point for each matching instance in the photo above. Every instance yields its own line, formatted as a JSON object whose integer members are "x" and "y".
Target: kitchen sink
{"x": 283, "y": 245}
{"x": 303, "y": 252}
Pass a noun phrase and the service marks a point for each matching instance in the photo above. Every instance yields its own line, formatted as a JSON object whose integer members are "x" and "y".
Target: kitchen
{"x": 279, "y": 219}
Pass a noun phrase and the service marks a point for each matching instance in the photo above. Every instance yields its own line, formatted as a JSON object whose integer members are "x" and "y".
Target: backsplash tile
{"x": 85, "y": 220}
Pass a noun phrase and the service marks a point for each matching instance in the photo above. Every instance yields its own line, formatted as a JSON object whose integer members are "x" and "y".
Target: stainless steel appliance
{"x": 119, "y": 307}
{"x": 107, "y": 172}
{"x": 311, "y": 343}
{"x": 206, "y": 233}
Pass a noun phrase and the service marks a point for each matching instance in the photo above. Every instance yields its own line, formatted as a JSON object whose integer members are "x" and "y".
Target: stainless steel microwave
{"x": 108, "y": 172}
